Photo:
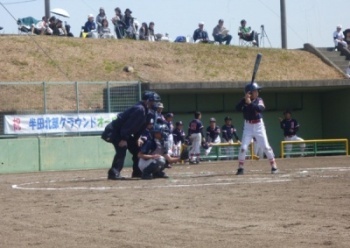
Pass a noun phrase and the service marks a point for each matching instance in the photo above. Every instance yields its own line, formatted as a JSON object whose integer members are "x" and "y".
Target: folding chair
{"x": 245, "y": 43}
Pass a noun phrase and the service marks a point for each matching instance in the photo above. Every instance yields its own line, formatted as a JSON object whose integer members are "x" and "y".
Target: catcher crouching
{"x": 154, "y": 157}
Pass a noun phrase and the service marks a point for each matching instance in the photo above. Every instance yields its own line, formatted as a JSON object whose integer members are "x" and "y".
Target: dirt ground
{"x": 306, "y": 205}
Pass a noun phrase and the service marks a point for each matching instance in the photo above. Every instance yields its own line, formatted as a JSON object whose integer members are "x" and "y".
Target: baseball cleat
{"x": 274, "y": 170}
{"x": 114, "y": 174}
{"x": 240, "y": 171}
{"x": 115, "y": 177}
{"x": 192, "y": 161}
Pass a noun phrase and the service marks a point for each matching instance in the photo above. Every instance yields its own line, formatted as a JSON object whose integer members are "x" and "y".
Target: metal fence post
{"x": 108, "y": 97}
{"x": 44, "y": 92}
{"x": 139, "y": 91}
{"x": 77, "y": 96}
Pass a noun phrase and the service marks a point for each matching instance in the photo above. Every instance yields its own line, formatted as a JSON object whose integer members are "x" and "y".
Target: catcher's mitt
{"x": 184, "y": 154}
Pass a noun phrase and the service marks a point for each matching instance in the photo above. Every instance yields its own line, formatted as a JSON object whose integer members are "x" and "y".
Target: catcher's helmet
{"x": 161, "y": 128}
{"x": 151, "y": 96}
{"x": 251, "y": 87}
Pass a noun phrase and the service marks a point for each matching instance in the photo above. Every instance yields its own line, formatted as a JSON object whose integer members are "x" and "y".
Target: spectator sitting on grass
{"x": 220, "y": 33}
{"x": 339, "y": 37}
{"x": 99, "y": 18}
{"x": 105, "y": 30}
{"x": 143, "y": 32}
{"x": 90, "y": 26}
{"x": 200, "y": 35}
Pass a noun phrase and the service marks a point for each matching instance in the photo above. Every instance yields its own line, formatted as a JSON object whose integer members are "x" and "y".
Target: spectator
{"x": 220, "y": 33}
{"x": 90, "y": 26}
{"x": 51, "y": 25}
{"x": 151, "y": 32}
{"x": 118, "y": 23}
{"x": 130, "y": 29}
{"x": 67, "y": 27}
{"x": 105, "y": 30}
{"x": 143, "y": 32}
{"x": 99, "y": 18}
{"x": 247, "y": 34}
{"x": 339, "y": 37}
{"x": 200, "y": 35}
{"x": 40, "y": 27}
{"x": 59, "y": 30}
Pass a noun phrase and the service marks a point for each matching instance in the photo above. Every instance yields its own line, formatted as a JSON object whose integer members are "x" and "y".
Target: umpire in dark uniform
{"x": 127, "y": 129}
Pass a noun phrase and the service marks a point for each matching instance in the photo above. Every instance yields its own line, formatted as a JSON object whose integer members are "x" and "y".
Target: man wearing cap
{"x": 213, "y": 135}
{"x": 90, "y": 25}
{"x": 220, "y": 33}
{"x": 339, "y": 38}
{"x": 179, "y": 138}
{"x": 125, "y": 134}
{"x": 290, "y": 128}
{"x": 200, "y": 35}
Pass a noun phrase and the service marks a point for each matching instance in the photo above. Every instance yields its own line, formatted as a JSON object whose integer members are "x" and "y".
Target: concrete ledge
{"x": 310, "y": 48}
{"x": 191, "y": 87}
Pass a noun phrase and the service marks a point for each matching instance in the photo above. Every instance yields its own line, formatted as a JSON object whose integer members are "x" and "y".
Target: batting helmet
{"x": 251, "y": 87}
{"x": 151, "y": 96}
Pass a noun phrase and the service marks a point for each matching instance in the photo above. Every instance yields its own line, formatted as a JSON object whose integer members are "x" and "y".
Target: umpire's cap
{"x": 228, "y": 118}
{"x": 150, "y": 96}
{"x": 251, "y": 87}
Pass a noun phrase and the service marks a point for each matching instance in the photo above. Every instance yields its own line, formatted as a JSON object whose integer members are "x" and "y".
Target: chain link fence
{"x": 55, "y": 98}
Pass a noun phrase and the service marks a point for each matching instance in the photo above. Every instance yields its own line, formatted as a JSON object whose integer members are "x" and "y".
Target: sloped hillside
{"x": 25, "y": 59}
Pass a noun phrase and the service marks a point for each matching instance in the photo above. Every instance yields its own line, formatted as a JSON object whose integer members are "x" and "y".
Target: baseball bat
{"x": 256, "y": 66}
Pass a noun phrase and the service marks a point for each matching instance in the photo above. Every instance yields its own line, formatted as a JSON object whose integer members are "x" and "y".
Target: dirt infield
{"x": 306, "y": 205}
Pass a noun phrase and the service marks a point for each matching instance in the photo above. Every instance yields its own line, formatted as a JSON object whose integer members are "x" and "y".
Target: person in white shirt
{"x": 339, "y": 37}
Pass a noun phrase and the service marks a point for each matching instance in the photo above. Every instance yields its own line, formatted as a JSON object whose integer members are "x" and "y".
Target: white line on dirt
{"x": 183, "y": 176}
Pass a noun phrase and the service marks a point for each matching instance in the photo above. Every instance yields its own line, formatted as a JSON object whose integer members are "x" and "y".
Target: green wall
{"x": 55, "y": 154}
{"x": 306, "y": 109}
{"x": 336, "y": 114}
{"x": 321, "y": 115}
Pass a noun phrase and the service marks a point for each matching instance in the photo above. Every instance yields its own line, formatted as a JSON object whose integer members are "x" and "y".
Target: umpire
{"x": 127, "y": 129}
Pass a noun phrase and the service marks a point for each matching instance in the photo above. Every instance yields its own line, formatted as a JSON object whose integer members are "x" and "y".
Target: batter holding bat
{"x": 252, "y": 107}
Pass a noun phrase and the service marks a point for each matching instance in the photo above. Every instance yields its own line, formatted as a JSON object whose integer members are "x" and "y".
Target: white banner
{"x": 57, "y": 123}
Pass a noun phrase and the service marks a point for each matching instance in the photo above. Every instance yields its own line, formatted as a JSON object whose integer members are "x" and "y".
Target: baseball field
{"x": 307, "y": 204}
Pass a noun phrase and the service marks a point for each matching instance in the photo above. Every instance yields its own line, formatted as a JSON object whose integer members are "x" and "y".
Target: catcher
{"x": 154, "y": 157}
